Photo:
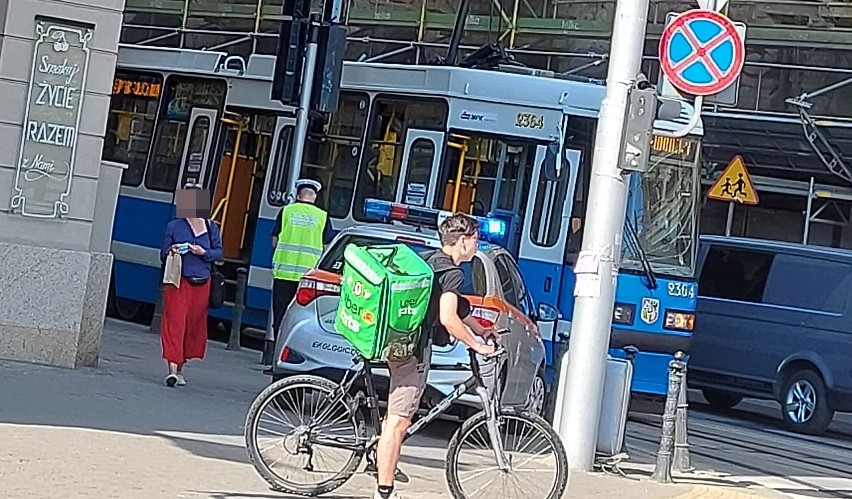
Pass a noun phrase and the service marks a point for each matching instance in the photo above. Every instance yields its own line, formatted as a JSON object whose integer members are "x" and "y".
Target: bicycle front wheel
{"x": 537, "y": 464}
{"x": 302, "y": 437}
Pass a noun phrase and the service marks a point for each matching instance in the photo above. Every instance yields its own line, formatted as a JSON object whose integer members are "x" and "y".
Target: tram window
{"x": 278, "y": 187}
{"x": 130, "y": 124}
{"x": 182, "y": 96}
{"x": 550, "y": 196}
{"x": 197, "y": 143}
{"x": 332, "y": 152}
{"x": 420, "y": 160}
{"x": 734, "y": 274}
{"x": 389, "y": 121}
{"x": 579, "y": 136}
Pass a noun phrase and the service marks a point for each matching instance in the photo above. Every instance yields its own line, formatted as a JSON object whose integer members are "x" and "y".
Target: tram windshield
{"x": 662, "y": 209}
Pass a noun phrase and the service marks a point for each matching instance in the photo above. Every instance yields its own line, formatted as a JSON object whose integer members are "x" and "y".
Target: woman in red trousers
{"x": 184, "y": 327}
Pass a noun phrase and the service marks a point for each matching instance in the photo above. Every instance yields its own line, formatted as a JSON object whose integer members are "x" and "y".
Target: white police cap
{"x": 306, "y": 182}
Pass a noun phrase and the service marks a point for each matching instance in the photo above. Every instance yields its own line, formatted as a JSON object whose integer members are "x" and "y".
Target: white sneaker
{"x": 171, "y": 380}
{"x": 181, "y": 381}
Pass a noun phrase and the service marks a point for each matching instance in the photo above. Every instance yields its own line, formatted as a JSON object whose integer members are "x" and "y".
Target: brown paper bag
{"x": 172, "y": 273}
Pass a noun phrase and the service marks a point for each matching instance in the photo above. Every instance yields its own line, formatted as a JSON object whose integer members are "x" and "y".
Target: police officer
{"x": 298, "y": 236}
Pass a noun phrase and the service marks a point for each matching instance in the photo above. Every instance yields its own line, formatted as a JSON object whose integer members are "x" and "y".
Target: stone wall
{"x": 55, "y": 269}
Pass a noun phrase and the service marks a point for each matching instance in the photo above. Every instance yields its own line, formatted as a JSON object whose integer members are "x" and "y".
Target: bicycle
{"x": 336, "y": 422}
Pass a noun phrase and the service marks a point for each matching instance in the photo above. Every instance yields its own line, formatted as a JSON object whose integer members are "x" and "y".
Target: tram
{"x": 514, "y": 143}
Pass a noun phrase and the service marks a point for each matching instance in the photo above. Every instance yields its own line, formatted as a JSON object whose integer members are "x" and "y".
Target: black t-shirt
{"x": 449, "y": 278}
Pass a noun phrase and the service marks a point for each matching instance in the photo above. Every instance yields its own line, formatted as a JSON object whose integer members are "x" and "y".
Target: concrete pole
{"x": 302, "y": 122}
{"x": 583, "y": 386}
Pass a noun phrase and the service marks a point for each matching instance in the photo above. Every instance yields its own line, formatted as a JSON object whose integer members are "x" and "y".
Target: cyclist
{"x": 447, "y": 315}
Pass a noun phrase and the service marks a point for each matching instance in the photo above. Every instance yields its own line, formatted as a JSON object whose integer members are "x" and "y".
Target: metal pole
{"x": 237, "y": 311}
{"x": 595, "y": 291}
{"x": 729, "y": 223}
{"x": 682, "y": 460}
{"x": 662, "y": 471}
{"x": 269, "y": 340}
{"x": 301, "y": 131}
{"x": 458, "y": 33}
{"x": 808, "y": 211}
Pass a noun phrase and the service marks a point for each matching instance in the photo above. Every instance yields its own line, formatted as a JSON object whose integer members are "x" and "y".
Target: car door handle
{"x": 547, "y": 282}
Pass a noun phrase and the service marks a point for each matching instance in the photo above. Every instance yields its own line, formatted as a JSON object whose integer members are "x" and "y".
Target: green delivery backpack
{"x": 384, "y": 298}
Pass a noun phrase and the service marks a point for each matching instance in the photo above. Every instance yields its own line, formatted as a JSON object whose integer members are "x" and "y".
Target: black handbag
{"x": 217, "y": 280}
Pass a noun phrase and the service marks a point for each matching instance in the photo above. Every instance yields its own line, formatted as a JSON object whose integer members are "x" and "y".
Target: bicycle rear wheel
{"x": 538, "y": 466}
{"x": 295, "y": 431}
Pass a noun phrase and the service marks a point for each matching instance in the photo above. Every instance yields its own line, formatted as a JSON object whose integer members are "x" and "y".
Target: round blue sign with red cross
{"x": 701, "y": 52}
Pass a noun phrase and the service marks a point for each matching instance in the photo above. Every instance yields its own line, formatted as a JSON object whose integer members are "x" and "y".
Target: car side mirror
{"x": 548, "y": 313}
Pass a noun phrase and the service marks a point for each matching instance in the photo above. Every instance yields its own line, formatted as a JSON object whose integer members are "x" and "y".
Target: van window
{"x": 735, "y": 274}
{"x": 809, "y": 283}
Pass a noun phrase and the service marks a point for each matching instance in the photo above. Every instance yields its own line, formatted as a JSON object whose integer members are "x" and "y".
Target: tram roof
{"x": 574, "y": 97}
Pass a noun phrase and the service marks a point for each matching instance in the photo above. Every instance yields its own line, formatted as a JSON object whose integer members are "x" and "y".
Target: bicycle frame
{"x": 490, "y": 402}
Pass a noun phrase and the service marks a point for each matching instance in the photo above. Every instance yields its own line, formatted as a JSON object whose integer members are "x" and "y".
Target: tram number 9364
{"x": 527, "y": 120}
{"x": 681, "y": 289}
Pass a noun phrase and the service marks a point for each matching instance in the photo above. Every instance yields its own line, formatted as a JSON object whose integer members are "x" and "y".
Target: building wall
{"x": 55, "y": 263}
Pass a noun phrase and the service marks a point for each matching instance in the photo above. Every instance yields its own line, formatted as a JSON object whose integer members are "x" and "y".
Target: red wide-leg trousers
{"x": 184, "y": 329}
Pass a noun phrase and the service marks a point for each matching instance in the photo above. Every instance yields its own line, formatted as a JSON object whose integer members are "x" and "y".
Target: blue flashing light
{"x": 492, "y": 230}
{"x": 375, "y": 208}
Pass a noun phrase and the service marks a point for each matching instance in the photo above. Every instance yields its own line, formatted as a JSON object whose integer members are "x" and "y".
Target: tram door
{"x": 421, "y": 161}
{"x": 545, "y": 228}
{"x": 197, "y": 148}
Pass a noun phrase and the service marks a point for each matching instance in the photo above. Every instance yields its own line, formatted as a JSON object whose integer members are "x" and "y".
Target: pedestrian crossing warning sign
{"x": 734, "y": 185}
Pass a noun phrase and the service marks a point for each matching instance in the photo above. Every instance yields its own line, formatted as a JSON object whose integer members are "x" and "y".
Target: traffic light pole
{"x": 300, "y": 133}
{"x": 596, "y": 269}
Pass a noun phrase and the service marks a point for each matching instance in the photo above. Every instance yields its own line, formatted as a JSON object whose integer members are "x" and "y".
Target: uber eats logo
{"x": 407, "y": 307}
{"x": 355, "y": 310}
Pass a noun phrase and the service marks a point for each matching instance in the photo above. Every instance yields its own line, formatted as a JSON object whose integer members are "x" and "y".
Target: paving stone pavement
{"x": 117, "y": 432}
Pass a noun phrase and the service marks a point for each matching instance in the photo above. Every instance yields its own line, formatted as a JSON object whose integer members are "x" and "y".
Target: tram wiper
{"x": 635, "y": 246}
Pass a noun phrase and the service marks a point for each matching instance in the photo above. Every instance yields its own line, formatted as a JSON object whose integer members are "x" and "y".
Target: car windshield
{"x": 474, "y": 272}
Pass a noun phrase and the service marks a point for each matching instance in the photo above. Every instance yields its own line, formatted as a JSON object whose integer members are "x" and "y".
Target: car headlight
{"x": 679, "y": 321}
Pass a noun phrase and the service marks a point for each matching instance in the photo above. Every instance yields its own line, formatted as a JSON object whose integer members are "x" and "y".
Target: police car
{"x": 308, "y": 342}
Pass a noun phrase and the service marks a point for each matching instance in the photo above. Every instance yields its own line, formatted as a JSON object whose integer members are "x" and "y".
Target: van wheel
{"x": 537, "y": 396}
{"x": 720, "y": 399}
{"x": 804, "y": 403}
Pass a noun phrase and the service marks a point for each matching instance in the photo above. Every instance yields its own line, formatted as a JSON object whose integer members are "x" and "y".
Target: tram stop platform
{"x": 117, "y": 431}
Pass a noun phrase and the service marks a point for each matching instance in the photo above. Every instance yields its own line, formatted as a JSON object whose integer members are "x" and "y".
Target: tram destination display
{"x": 52, "y": 119}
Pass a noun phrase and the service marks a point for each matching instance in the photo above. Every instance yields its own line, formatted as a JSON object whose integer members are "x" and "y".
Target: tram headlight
{"x": 623, "y": 313}
{"x": 679, "y": 321}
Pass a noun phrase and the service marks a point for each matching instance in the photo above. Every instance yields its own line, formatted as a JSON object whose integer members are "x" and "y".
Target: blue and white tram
{"x": 498, "y": 143}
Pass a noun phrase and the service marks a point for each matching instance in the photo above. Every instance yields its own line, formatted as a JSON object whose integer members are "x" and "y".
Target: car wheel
{"x": 537, "y": 396}
{"x": 721, "y": 399}
{"x": 804, "y": 403}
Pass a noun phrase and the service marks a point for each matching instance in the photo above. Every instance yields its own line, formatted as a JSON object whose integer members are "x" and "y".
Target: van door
{"x": 196, "y": 151}
{"x": 420, "y": 164}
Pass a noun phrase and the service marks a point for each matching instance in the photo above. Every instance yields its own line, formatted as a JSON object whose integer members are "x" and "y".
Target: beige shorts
{"x": 407, "y": 383}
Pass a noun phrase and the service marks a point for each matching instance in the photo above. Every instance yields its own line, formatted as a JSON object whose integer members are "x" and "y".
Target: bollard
{"x": 237, "y": 312}
{"x": 157, "y": 319}
{"x": 662, "y": 471}
{"x": 681, "y": 460}
{"x": 269, "y": 340}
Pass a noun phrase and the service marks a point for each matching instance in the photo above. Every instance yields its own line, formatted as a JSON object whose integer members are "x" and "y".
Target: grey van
{"x": 774, "y": 321}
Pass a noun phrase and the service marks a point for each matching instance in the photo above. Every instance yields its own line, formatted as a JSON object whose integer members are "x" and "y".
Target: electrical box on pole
{"x": 638, "y": 128}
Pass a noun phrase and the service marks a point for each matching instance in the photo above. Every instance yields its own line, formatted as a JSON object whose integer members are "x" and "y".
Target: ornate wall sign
{"x": 52, "y": 119}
